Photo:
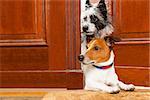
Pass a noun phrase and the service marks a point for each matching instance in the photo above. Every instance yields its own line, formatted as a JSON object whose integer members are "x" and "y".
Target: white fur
{"x": 99, "y": 79}
{"x": 108, "y": 30}
{"x": 83, "y": 44}
{"x": 104, "y": 79}
{"x": 92, "y": 29}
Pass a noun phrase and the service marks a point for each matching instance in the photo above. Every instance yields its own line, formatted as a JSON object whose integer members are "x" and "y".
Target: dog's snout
{"x": 81, "y": 57}
{"x": 85, "y": 28}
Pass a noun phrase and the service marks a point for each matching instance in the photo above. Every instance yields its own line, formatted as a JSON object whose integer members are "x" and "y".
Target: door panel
{"x": 132, "y": 19}
{"x": 22, "y": 35}
{"x": 133, "y": 75}
{"x": 17, "y": 17}
{"x": 56, "y": 27}
{"x": 22, "y": 22}
{"x": 133, "y": 54}
{"x": 131, "y": 22}
{"x": 134, "y": 16}
{"x": 23, "y": 58}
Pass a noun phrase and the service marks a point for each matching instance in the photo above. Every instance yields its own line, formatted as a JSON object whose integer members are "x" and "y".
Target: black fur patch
{"x": 102, "y": 8}
{"x": 89, "y": 38}
{"x": 85, "y": 18}
{"x": 88, "y": 4}
{"x": 98, "y": 24}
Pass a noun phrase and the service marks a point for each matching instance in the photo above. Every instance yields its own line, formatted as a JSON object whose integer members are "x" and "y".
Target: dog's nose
{"x": 85, "y": 28}
{"x": 81, "y": 57}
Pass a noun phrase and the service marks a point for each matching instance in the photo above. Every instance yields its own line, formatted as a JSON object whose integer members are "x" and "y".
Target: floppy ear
{"x": 88, "y": 4}
{"x": 102, "y": 8}
{"x": 110, "y": 40}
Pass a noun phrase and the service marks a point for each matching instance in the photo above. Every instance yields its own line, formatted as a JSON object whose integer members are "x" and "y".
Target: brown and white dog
{"x": 98, "y": 67}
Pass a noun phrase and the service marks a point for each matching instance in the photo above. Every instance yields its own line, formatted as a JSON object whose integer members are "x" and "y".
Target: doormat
{"x": 22, "y": 95}
{"x": 138, "y": 94}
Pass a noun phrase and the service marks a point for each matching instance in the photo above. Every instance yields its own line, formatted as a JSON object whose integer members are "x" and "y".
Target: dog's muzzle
{"x": 81, "y": 58}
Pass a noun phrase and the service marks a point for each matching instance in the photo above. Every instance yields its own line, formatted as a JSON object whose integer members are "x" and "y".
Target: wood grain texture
{"x": 33, "y": 79}
{"x": 23, "y": 58}
{"x": 132, "y": 75}
{"x": 131, "y": 16}
{"x": 131, "y": 23}
{"x": 42, "y": 58}
{"x": 21, "y": 20}
{"x": 132, "y": 54}
{"x": 44, "y": 79}
{"x": 63, "y": 34}
{"x": 75, "y": 80}
{"x": 73, "y": 34}
{"x": 134, "y": 16}
{"x": 17, "y": 17}
{"x": 56, "y": 33}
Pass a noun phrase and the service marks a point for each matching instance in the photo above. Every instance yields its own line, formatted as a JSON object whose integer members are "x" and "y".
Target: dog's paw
{"x": 113, "y": 90}
{"x": 129, "y": 87}
{"x": 90, "y": 88}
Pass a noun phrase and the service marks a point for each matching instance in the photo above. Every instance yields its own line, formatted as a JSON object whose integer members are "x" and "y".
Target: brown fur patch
{"x": 98, "y": 50}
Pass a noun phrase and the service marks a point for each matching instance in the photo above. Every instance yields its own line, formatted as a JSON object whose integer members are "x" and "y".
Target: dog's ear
{"x": 110, "y": 40}
{"x": 88, "y": 4}
{"x": 102, "y": 8}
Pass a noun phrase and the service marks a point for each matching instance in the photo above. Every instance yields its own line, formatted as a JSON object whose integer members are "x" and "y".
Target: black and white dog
{"x": 95, "y": 21}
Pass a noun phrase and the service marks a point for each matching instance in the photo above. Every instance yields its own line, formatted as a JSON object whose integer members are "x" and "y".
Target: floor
{"x": 140, "y": 93}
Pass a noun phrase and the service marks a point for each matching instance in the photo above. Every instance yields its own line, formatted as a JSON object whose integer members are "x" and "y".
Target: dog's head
{"x": 94, "y": 17}
{"x": 98, "y": 50}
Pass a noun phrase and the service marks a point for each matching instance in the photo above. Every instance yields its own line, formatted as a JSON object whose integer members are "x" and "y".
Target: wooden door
{"x": 40, "y": 41}
{"x": 131, "y": 21}
{"x": 38, "y": 45}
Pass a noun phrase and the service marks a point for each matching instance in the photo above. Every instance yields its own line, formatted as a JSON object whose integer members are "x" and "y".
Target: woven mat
{"x": 21, "y": 98}
{"x": 75, "y": 95}
{"x": 90, "y": 95}
{"x": 22, "y": 95}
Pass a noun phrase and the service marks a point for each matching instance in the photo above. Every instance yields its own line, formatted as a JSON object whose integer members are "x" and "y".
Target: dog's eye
{"x": 85, "y": 18}
{"x": 86, "y": 47}
{"x": 93, "y": 18}
{"x": 96, "y": 48}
